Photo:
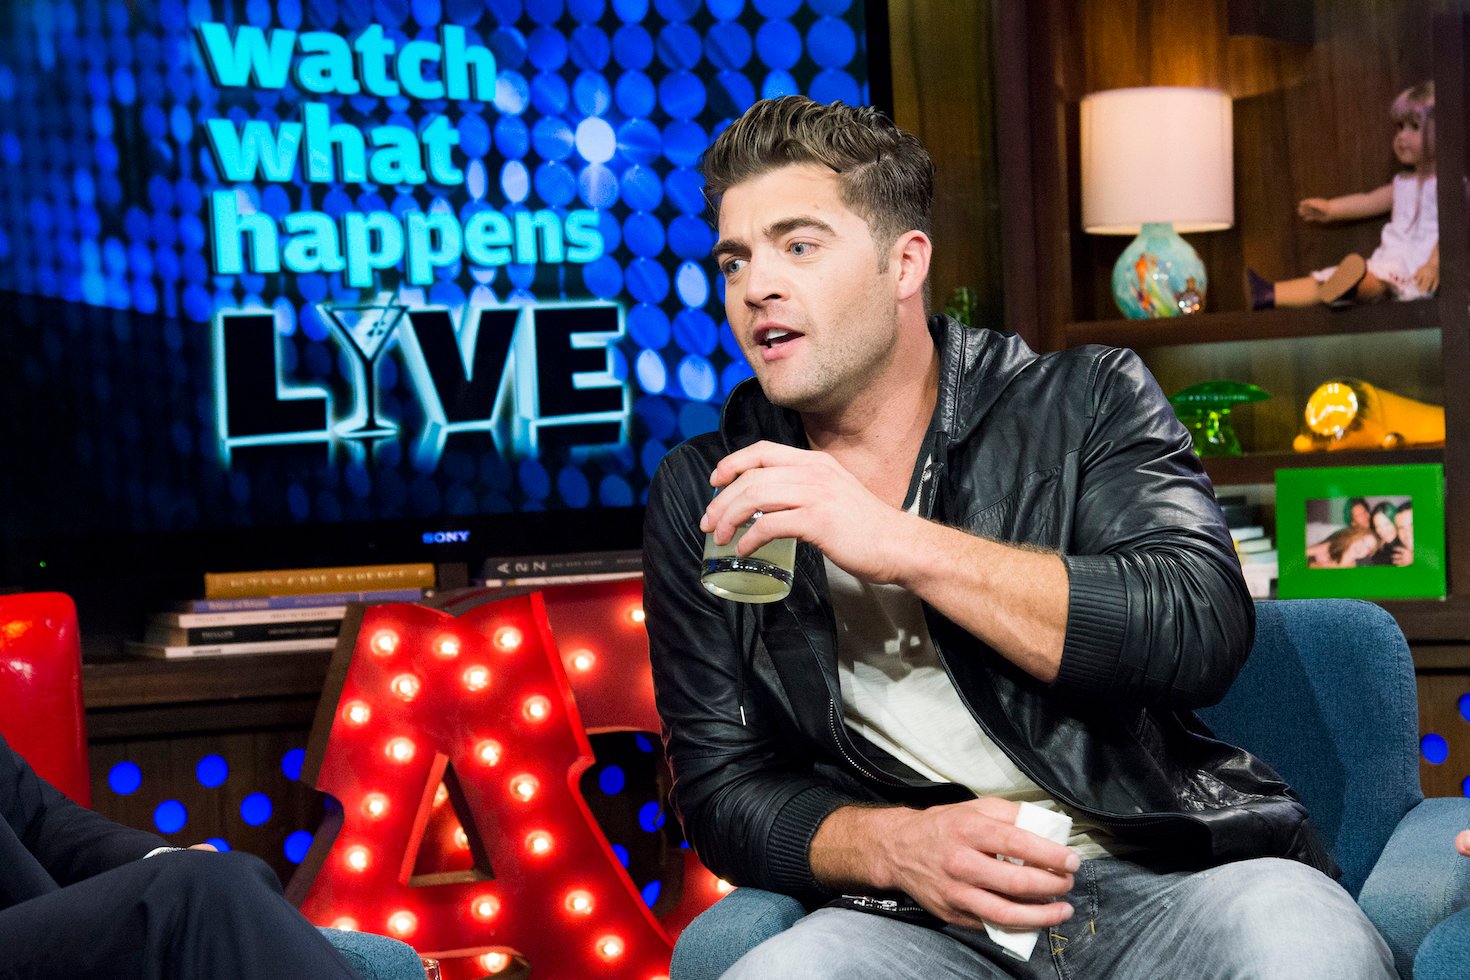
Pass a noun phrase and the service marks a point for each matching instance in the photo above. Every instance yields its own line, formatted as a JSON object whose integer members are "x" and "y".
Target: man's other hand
{"x": 945, "y": 858}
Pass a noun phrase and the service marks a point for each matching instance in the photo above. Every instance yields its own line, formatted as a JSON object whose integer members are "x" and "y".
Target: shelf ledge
{"x": 1281, "y": 324}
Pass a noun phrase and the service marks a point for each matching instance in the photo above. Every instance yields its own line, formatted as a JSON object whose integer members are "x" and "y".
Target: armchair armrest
{"x": 729, "y": 929}
{"x": 376, "y": 957}
{"x": 1419, "y": 880}
{"x": 1445, "y": 952}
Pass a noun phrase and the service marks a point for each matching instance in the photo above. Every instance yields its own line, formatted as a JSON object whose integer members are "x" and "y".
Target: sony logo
{"x": 446, "y": 537}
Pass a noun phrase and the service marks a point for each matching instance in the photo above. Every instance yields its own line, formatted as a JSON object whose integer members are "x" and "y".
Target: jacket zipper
{"x": 832, "y": 720}
{"x": 881, "y": 904}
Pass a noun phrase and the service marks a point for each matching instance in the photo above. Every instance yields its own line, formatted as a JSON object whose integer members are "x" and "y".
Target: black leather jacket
{"x": 1077, "y": 452}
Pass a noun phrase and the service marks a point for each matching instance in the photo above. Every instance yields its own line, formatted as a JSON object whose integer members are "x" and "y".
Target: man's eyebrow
{"x": 785, "y": 226}
{"x": 727, "y": 246}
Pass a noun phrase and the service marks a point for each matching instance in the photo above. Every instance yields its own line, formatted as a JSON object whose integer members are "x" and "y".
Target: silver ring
{"x": 757, "y": 516}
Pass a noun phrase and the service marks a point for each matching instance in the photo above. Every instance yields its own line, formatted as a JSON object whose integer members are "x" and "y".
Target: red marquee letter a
{"x": 483, "y": 695}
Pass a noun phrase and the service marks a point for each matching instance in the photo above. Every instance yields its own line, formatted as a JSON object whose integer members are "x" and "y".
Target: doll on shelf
{"x": 1406, "y": 264}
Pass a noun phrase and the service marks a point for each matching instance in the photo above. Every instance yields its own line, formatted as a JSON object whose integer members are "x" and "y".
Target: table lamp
{"x": 1155, "y": 162}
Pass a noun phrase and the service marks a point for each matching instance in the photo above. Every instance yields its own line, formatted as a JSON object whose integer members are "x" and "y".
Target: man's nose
{"x": 764, "y": 281}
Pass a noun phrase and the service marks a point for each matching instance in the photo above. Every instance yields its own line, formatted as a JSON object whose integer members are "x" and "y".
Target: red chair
{"x": 41, "y": 689}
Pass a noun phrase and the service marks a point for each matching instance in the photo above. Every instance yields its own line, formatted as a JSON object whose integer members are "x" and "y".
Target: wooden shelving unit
{"x": 1214, "y": 328}
{"x": 1310, "y": 120}
{"x": 132, "y": 697}
{"x": 1060, "y": 50}
{"x": 1258, "y": 468}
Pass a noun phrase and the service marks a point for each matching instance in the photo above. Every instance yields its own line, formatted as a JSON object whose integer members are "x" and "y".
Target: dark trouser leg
{"x": 185, "y": 915}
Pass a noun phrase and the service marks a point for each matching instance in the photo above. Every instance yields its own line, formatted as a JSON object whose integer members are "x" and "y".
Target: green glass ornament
{"x": 1205, "y": 411}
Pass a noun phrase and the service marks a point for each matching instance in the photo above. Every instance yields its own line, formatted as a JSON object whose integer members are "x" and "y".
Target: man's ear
{"x": 910, "y": 259}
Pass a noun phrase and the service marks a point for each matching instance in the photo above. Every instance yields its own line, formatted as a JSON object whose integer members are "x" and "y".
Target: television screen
{"x": 328, "y": 281}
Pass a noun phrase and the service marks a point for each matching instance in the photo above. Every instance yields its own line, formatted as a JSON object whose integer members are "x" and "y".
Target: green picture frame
{"x": 1321, "y": 553}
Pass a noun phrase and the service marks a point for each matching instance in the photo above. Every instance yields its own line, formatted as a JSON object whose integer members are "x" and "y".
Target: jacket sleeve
{"x": 745, "y": 794}
{"x": 70, "y": 841}
{"x": 1158, "y": 610}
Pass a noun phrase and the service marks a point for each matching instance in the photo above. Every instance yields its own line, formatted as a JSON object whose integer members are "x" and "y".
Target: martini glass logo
{"x": 367, "y": 329}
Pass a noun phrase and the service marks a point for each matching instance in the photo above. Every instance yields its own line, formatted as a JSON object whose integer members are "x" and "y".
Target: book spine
{"x": 555, "y": 566}
{"x": 532, "y": 580}
{"x": 175, "y": 652}
{"x": 242, "y": 633}
{"x": 302, "y": 615}
{"x": 305, "y": 601}
{"x": 302, "y": 581}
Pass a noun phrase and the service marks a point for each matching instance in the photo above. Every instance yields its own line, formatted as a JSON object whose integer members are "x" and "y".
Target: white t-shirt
{"x": 897, "y": 694}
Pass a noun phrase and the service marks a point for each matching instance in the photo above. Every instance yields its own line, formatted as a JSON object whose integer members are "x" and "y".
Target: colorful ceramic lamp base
{"x": 1159, "y": 275}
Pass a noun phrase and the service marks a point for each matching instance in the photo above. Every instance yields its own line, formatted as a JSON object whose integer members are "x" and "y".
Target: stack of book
{"x": 1253, "y": 546}
{"x": 283, "y": 611}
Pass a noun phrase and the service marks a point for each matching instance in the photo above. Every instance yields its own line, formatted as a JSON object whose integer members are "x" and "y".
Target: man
{"x": 1012, "y": 585}
{"x": 82, "y": 897}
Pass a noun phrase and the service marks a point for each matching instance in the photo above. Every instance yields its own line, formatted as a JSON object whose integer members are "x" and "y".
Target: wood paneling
{"x": 165, "y": 716}
{"x": 944, "y": 93}
{"x": 168, "y": 762}
{"x": 1283, "y": 20}
{"x": 1439, "y": 713}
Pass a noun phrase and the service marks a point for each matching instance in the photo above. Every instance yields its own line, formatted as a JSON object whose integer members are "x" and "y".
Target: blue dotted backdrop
{"x": 599, "y": 104}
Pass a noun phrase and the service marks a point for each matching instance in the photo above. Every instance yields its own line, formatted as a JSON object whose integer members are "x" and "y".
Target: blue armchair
{"x": 377, "y": 957}
{"x": 1328, "y": 698}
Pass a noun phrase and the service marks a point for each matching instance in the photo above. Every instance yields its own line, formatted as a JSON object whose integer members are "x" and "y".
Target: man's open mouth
{"x": 774, "y": 336}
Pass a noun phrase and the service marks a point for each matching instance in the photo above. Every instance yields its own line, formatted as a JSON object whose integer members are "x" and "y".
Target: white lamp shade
{"x": 1157, "y": 154}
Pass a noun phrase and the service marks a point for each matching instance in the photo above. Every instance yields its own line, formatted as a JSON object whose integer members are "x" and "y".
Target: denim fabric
{"x": 722, "y": 933}
{"x": 1266, "y": 919}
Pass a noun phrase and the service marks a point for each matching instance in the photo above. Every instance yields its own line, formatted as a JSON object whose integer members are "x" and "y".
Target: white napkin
{"x": 1053, "y": 826}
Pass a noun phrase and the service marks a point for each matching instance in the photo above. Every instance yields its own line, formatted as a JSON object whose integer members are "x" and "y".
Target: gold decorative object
{"x": 1348, "y": 413}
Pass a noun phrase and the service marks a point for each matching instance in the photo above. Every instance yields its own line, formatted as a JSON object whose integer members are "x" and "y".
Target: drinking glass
{"x": 764, "y": 576}
{"x": 431, "y": 969}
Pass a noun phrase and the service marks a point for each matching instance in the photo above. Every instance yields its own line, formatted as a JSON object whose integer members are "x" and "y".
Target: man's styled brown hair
{"x": 884, "y": 173}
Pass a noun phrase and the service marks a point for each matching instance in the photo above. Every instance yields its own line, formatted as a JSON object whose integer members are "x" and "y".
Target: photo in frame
{"x": 1361, "y": 532}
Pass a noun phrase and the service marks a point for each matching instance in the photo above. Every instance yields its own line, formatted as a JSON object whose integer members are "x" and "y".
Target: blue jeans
{"x": 1266, "y": 919}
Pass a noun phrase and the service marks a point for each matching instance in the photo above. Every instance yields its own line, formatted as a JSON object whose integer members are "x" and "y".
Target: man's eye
{"x": 801, "y": 248}
{"x": 731, "y": 267}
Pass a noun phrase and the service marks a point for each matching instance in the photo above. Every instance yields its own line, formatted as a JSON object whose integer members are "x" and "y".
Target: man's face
{"x": 1404, "y": 521}
{"x": 804, "y": 293}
